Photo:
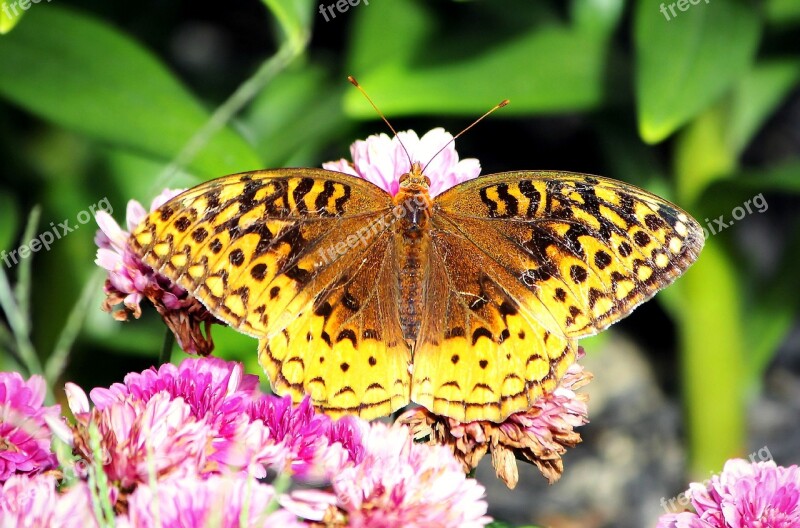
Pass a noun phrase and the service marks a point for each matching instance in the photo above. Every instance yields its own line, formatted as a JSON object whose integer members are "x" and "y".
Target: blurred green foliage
{"x": 94, "y": 103}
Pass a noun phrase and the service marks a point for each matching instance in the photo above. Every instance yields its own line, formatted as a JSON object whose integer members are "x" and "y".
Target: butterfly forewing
{"x": 590, "y": 248}
{"x": 297, "y": 258}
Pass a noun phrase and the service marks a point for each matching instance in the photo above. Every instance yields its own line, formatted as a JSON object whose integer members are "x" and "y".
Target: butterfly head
{"x": 414, "y": 180}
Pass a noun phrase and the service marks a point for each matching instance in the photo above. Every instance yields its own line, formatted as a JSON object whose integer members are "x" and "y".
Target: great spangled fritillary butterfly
{"x": 469, "y": 304}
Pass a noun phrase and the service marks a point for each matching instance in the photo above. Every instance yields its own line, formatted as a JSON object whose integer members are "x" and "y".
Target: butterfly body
{"x": 412, "y": 243}
{"x": 469, "y": 303}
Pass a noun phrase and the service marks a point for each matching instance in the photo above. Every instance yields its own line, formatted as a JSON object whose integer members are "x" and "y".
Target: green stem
{"x": 709, "y": 323}
{"x": 227, "y": 110}
{"x": 22, "y": 290}
{"x": 166, "y": 348}
{"x": 58, "y": 360}
{"x": 18, "y": 323}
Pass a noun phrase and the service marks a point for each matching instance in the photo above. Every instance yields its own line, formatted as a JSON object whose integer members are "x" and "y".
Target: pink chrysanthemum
{"x": 128, "y": 276}
{"x": 130, "y": 280}
{"x": 216, "y": 390}
{"x": 382, "y": 160}
{"x": 225, "y": 502}
{"x": 744, "y": 495}
{"x": 397, "y": 483}
{"x": 136, "y": 434}
{"x": 33, "y": 502}
{"x": 216, "y": 394}
{"x": 24, "y": 435}
{"x": 316, "y": 445}
{"x": 539, "y": 435}
{"x": 211, "y": 386}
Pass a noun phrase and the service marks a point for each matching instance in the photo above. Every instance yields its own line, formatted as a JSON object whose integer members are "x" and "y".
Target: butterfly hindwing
{"x": 487, "y": 347}
{"x": 346, "y": 349}
{"x": 280, "y": 255}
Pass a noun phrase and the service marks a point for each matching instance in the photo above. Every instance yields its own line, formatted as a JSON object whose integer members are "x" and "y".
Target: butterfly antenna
{"x": 354, "y": 82}
{"x": 499, "y": 105}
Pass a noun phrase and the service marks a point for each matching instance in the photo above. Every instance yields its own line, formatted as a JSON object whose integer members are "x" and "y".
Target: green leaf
{"x": 84, "y": 75}
{"x": 9, "y": 221}
{"x": 702, "y": 154}
{"x": 628, "y": 158}
{"x": 372, "y": 44}
{"x": 687, "y": 61}
{"x": 783, "y": 11}
{"x": 779, "y": 178}
{"x": 549, "y": 67}
{"x": 772, "y": 306}
{"x": 297, "y": 114}
{"x": 597, "y": 16}
{"x": 756, "y": 97}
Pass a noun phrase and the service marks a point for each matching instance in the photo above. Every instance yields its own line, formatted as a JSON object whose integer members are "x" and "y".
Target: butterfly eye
{"x": 404, "y": 177}
{"x": 427, "y": 181}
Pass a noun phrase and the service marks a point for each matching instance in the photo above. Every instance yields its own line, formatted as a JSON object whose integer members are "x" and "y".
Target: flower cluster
{"x": 745, "y": 495}
{"x": 130, "y": 280}
{"x": 195, "y": 441}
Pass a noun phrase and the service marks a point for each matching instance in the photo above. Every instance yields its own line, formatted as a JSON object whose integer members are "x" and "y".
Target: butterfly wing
{"x": 300, "y": 259}
{"x": 523, "y": 264}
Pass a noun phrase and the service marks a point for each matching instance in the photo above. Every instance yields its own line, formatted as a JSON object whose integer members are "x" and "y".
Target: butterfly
{"x": 469, "y": 304}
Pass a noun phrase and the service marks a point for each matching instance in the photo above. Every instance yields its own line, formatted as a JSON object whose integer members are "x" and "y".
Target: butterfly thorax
{"x": 412, "y": 242}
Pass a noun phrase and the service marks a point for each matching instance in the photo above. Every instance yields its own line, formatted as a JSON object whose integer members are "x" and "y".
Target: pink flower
{"x": 215, "y": 395}
{"x": 382, "y": 160}
{"x": 130, "y": 280}
{"x": 24, "y": 435}
{"x": 745, "y": 495}
{"x": 216, "y": 390}
{"x": 397, "y": 483}
{"x": 161, "y": 432}
{"x": 539, "y": 435}
{"x": 315, "y": 445}
{"x": 225, "y": 502}
{"x": 128, "y": 276}
{"x": 34, "y": 502}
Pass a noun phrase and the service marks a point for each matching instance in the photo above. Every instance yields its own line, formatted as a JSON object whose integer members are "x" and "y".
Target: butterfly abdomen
{"x": 412, "y": 241}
